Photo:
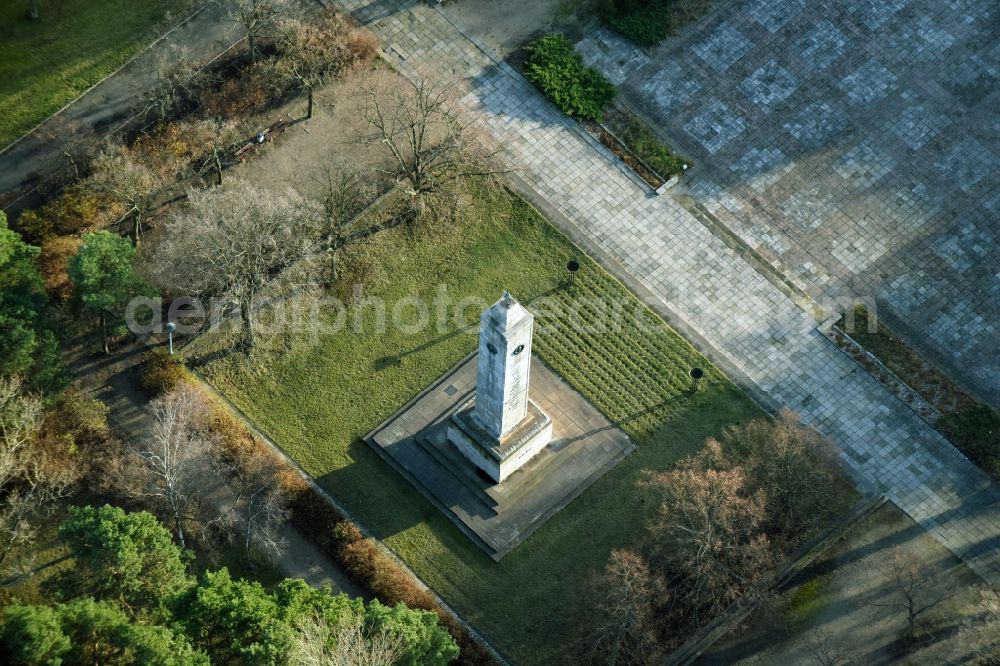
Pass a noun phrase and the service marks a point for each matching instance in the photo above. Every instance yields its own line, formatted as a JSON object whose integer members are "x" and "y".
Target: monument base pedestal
{"x": 497, "y": 517}
{"x": 499, "y": 458}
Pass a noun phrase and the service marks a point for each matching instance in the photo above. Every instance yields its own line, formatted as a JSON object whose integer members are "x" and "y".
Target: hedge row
{"x": 645, "y": 22}
{"x": 363, "y": 560}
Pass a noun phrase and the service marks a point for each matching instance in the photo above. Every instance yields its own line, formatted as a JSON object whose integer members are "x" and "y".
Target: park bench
{"x": 269, "y": 133}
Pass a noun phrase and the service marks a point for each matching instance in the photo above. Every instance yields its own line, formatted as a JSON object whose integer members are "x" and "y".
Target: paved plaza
{"x": 855, "y": 145}
{"x": 498, "y": 517}
{"x": 752, "y": 327}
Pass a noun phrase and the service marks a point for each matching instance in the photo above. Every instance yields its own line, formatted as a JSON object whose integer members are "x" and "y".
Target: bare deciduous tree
{"x": 430, "y": 145}
{"x": 966, "y": 631}
{"x": 254, "y": 18}
{"x": 217, "y": 137}
{"x": 77, "y": 143}
{"x": 127, "y": 180}
{"x": 827, "y": 649}
{"x": 793, "y": 463}
{"x": 28, "y": 484}
{"x": 261, "y": 502}
{"x": 910, "y": 589}
{"x": 624, "y": 631}
{"x": 234, "y": 243}
{"x": 348, "y": 643}
{"x": 314, "y": 52}
{"x": 708, "y": 532}
{"x": 178, "y": 454}
{"x": 20, "y": 419}
{"x": 979, "y": 637}
{"x": 172, "y": 80}
{"x": 344, "y": 195}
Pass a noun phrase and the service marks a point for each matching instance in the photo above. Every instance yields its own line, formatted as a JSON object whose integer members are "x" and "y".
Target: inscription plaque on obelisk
{"x": 504, "y": 366}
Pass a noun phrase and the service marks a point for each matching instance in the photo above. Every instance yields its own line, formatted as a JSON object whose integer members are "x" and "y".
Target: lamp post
{"x": 696, "y": 375}
{"x": 171, "y": 327}
{"x": 572, "y": 266}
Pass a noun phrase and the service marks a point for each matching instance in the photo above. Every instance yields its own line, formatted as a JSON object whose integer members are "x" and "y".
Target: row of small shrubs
{"x": 642, "y": 141}
{"x": 558, "y": 71}
{"x": 648, "y": 22}
{"x": 77, "y": 208}
{"x": 291, "y": 56}
{"x": 367, "y": 564}
{"x": 971, "y": 426}
{"x": 194, "y": 107}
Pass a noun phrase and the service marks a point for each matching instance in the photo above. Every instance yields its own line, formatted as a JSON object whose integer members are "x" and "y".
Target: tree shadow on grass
{"x": 387, "y": 504}
{"x": 211, "y": 357}
{"x": 621, "y": 423}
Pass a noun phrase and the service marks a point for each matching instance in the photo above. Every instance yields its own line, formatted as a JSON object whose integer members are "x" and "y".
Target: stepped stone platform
{"x": 499, "y": 516}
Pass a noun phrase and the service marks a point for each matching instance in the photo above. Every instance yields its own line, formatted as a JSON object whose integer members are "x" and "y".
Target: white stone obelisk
{"x": 500, "y": 429}
{"x": 504, "y": 366}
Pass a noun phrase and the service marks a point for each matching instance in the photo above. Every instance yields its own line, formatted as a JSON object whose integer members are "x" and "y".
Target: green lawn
{"x": 74, "y": 44}
{"x": 317, "y": 401}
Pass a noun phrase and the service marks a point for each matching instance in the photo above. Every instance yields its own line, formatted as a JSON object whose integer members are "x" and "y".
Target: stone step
{"x": 559, "y": 497}
{"x": 460, "y": 467}
{"x": 524, "y": 480}
{"x": 544, "y": 464}
{"x": 411, "y": 461}
{"x": 412, "y": 458}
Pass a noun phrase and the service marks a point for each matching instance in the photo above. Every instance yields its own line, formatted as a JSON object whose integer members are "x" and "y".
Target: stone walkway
{"x": 753, "y": 327}
{"x": 854, "y": 144}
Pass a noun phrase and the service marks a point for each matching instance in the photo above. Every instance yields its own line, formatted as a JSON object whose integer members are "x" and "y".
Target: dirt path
{"x": 328, "y": 144}
{"x": 113, "y": 380}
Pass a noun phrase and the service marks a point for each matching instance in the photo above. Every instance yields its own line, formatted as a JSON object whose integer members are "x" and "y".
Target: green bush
{"x": 559, "y": 72}
{"x": 977, "y": 431}
{"x": 162, "y": 372}
{"x": 78, "y": 208}
{"x": 648, "y": 22}
{"x": 645, "y": 22}
{"x": 34, "y": 228}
